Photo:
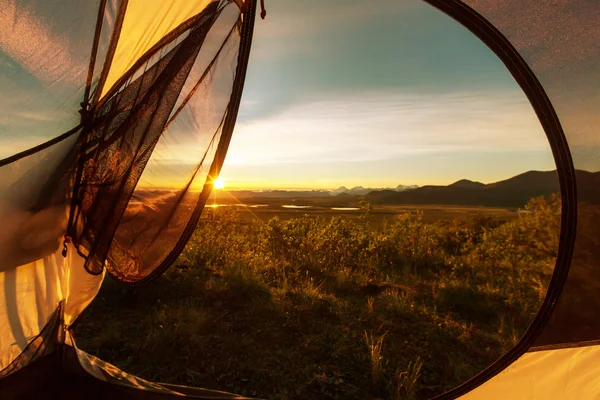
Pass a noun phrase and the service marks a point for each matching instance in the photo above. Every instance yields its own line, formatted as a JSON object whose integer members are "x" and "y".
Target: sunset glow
{"x": 374, "y": 94}
{"x": 219, "y": 183}
{"x": 377, "y": 95}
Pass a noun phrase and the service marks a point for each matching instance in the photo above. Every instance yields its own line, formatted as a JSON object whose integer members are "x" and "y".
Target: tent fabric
{"x": 121, "y": 82}
{"x": 106, "y": 372}
{"x": 61, "y": 370}
{"x": 201, "y": 113}
{"x": 558, "y": 39}
{"x": 561, "y": 374}
{"x": 31, "y": 294}
{"x": 34, "y": 204}
{"x": 110, "y": 90}
{"x": 144, "y": 24}
{"x": 548, "y": 47}
{"x": 121, "y": 140}
{"x": 69, "y": 373}
{"x": 186, "y": 84}
{"x": 44, "y": 344}
{"x": 44, "y": 61}
{"x": 185, "y": 89}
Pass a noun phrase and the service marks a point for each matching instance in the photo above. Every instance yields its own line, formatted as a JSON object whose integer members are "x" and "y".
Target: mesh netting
{"x": 44, "y": 60}
{"x": 558, "y": 40}
{"x": 128, "y": 181}
{"x": 172, "y": 107}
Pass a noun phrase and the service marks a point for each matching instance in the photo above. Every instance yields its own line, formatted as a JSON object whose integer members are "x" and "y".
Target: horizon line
{"x": 330, "y": 189}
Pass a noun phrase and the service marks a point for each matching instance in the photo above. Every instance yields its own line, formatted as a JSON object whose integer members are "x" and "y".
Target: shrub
{"x": 295, "y": 309}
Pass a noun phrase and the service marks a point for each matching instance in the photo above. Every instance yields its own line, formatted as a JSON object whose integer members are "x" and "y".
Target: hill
{"x": 509, "y": 193}
{"x": 465, "y": 183}
{"x": 361, "y": 191}
{"x": 512, "y": 192}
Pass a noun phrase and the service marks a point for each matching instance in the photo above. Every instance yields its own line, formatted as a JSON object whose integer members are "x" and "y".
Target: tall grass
{"x": 296, "y": 309}
{"x": 375, "y": 347}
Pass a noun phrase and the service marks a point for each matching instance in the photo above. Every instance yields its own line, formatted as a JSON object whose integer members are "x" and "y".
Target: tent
{"x": 111, "y": 86}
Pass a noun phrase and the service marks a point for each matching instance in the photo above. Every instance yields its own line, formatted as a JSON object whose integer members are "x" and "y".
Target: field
{"x": 264, "y": 212}
{"x": 384, "y": 302}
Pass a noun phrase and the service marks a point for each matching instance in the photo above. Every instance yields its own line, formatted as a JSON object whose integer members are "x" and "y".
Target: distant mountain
{"x": 514, "y": 192}
{"x": 340, "y": 190}
{"x": 276, "y": 194}
{"x": 361, "y": 191}
{"x": 402, "y": 188}
{"x": 467, "y": 184}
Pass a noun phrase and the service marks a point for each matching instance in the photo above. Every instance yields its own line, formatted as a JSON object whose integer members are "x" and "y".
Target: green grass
{"x": 331, "y": 308}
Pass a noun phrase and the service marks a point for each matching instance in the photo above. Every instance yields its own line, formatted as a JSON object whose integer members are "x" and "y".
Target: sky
{"x": 349, "y": 93}
{"x": 377, "y": 93}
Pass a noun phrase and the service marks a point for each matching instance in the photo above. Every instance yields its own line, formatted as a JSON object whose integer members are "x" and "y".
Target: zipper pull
{"x": 66, "y": 241}
{"x": 263, "y": 11}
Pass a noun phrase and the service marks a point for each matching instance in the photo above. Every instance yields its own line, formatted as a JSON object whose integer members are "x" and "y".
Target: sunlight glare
{"x": 218, "y": 184}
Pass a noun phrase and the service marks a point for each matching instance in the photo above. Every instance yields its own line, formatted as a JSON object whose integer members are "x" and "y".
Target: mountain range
{"x": 361, "y": 191}
{"x": 512, "y": 193}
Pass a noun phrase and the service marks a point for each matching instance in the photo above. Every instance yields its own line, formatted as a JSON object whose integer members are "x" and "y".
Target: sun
{"x": 218, "y": 183}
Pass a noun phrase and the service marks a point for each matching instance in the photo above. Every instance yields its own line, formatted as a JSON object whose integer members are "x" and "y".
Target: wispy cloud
{"x": 378, "y": 126}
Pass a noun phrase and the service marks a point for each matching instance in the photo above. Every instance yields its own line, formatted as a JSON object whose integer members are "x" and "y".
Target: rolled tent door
{"x": 92, "y": 94}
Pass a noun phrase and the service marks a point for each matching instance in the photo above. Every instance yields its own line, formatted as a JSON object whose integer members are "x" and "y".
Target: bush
{"x": 283, "y": 309}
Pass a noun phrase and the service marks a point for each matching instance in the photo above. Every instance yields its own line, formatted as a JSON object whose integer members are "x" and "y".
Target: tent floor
{"x": 60, "y": 375}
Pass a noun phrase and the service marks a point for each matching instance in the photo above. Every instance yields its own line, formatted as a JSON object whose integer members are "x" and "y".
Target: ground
{"x": 327, "y": 306}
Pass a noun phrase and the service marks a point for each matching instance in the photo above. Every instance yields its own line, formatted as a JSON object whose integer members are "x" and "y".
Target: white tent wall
{"x": 43, "y": 289}
{"x": 45, "y": 48}
{"x": 30, "y": 294}
{"x": 144, "y": 24}
{"x": 563, "y": 374}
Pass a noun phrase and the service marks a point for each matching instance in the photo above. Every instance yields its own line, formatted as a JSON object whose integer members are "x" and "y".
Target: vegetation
{"x": 331, "y": 308}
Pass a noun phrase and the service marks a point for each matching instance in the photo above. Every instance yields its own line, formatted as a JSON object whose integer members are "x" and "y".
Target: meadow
{"x": 249, "y": 213}
{"x": 380, "y": 304}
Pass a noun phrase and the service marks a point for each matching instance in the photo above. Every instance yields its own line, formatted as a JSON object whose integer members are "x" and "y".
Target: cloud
{"x": 371, "y": 126}
{"x": 319, "y": 48}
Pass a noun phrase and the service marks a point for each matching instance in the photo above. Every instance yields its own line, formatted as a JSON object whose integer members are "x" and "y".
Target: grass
{"x": 332, "y": 308}
{"x": 272, "y": 208}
